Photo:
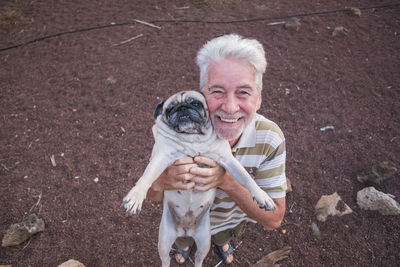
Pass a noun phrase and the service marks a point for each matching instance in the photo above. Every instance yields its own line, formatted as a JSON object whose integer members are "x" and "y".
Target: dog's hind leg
{"x": 202, "y": 237}
{"x": 166, "y": 237}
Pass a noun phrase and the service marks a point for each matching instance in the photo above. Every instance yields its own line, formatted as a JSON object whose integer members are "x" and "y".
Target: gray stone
{"x": 371, "y": 199}
{"x": 20, "y": 232}
{"x": 315, "y": 230}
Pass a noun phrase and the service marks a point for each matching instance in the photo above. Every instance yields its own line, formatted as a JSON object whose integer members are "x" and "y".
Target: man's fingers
{"x": 202, "y": 187}
{"x": 187, "y": 186}
{"x": 201, "y": 171}
{"x": 204, "y": 160}
{"x": 199, "y": 180}
{"x": 186, "y": 177}
{"x": 182, "y": 161}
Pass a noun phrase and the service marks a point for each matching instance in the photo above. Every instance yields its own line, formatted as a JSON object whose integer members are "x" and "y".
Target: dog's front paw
{"x": 264, "y": 200}
{"x": 133, "y": 201}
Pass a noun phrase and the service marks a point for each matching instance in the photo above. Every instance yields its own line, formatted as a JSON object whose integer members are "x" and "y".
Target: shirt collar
{"x": 248, "y": 137}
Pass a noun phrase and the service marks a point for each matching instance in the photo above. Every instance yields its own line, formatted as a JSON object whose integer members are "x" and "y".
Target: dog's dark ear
{"x": 158, "y": 110}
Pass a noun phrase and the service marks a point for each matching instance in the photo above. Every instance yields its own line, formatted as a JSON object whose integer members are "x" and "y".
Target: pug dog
{"x": 183, "y": 128}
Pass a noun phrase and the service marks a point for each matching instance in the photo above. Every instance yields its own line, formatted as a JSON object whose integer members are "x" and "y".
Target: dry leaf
{"x": 272, "y": 258}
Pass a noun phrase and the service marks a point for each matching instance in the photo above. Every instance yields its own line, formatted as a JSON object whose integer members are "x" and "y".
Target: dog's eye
{"x": 195, "y": 103}
{"x": 168, "y": 110}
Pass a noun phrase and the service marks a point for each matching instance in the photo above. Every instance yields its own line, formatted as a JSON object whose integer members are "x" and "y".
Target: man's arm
{"x": 268, "y": 219}
{"x": 156, "y": 191}
{"x": 216, "y": 176}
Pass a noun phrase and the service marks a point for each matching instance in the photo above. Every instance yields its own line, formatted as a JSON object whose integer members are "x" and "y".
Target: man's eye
{"x": 243, "y": 92}
{"x": 217, "y": 92}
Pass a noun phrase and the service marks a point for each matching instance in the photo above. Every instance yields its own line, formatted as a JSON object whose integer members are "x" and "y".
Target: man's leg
{"x": 183, "y": 243}
{"x": 222, "y": 238}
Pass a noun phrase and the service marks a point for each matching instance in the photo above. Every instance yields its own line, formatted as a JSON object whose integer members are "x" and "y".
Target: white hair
{"x": 232, "y": 46}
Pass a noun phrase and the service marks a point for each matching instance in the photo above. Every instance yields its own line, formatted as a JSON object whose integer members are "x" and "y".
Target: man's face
{"x": 232, "y": 97}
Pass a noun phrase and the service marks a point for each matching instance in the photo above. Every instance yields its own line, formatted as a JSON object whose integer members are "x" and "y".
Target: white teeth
{"x": 228, "y": 120}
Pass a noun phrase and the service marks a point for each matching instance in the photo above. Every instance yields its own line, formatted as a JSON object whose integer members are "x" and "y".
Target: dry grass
{"x": 11, "y": 16}
{"x": 216, "y": 4}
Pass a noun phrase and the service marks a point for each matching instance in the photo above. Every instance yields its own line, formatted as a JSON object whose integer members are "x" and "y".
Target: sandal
{"x": 224, "y": 254}
{"x": 185, "y": 253}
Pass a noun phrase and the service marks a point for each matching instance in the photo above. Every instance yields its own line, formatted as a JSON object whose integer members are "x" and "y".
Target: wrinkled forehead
{"x": 183, "y": 96}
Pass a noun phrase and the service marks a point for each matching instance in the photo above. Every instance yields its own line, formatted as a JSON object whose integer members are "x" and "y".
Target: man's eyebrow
{"x": 245, "y": 86}
{"x": 212, "y": 86}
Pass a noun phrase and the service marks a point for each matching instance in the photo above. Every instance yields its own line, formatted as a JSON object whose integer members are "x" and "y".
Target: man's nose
{"x": 231, "y": 105}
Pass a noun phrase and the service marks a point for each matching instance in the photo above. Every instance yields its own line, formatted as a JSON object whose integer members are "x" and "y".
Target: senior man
{"x": 231, "y": 71}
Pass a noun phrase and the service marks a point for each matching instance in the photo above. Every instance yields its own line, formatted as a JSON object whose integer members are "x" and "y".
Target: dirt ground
{"x": 87, "y": 97}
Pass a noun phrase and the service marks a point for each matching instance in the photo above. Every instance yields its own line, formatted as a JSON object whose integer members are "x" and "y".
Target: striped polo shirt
{"x": 261, "y": 151}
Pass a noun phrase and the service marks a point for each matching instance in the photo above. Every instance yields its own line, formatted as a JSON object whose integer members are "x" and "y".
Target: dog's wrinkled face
{"x": 185, "y": 112}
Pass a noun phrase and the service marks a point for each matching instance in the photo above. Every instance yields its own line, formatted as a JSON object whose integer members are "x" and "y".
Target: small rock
{"x": 71, "y": 263}
{"x": 289, "y": 186}
{"x": 354, "y": 11}
{"x": 331, "y": 205}
{"x": 111, "y": 80}
{"x": 20, "y": 232}
{"x": 371, "y": 199}
{"x": 340, "y": 31}
{"x": 377, "y": 174}
{"x": 293, "y": 24}
{"x": 96, "y": 180}
{"x": 315, "y": 230}
{"x": 327, "y": 128}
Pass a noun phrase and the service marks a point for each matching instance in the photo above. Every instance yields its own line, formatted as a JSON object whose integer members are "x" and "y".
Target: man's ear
{"x": 158, "y": 110}
{"x": 259, "y": 100}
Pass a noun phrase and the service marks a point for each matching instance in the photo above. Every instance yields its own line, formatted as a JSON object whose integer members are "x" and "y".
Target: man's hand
{"x": 208, "y": 177}
{"x": 177, "y": 176}
{"x": 186, "y": 174}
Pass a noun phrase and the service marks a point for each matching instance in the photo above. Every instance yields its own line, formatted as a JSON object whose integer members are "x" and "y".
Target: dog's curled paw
{"x": 264, "y": 200}
{"x": 133, "y": 201}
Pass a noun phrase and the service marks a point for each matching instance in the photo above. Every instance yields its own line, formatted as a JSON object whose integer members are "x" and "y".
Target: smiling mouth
{"x": 229, "y": 120}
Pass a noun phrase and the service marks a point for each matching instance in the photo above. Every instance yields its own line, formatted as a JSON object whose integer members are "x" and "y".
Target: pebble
{"x": 315, "y": 230}
{"x": 327, "y": 128}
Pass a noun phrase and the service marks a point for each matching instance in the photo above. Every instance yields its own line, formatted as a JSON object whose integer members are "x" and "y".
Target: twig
{"x": 291, "y": 207}
{"x": 129, "y": 40}
{"x": 290, "y": 223}
{"x": 53, "y": 161}
{"x": 27, "y": 244}
{"x": 37, "y": 203}
{"x": 276, "y": 23}
{"x": 183, "y": 7}
{"x": 5, "y": 167}
{"x": 148, "y": 24}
